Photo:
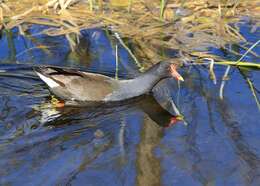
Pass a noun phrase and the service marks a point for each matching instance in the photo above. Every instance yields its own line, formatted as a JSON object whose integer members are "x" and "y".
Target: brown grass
{"x": 188, "y": 27}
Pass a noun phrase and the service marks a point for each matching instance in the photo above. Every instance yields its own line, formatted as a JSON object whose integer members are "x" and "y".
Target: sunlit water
{"x": 128, "y": 143}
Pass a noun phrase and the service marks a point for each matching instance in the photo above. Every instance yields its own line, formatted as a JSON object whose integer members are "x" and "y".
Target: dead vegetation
{"x": 188, "y": 27}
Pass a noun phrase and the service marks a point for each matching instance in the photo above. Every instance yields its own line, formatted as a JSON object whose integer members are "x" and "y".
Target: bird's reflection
{"x": 147, "y": 104}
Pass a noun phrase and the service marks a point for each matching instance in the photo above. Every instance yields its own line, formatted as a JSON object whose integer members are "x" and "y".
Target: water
{"x": 130, "y": 143}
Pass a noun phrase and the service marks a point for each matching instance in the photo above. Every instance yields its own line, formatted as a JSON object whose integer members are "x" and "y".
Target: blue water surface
{"x": 129, "y": 143}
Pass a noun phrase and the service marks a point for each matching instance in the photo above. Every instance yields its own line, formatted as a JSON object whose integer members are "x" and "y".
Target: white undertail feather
{"x": 50, "y": 82}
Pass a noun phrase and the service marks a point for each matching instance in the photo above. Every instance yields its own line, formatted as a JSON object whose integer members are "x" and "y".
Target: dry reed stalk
{"x": 1, "y": 17}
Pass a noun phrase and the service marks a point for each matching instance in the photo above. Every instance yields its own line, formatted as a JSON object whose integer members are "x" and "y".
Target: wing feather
{"x": 77, "y": 85}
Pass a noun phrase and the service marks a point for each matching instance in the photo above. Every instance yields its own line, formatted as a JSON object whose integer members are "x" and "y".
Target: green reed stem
{"x": 162, "y": 6}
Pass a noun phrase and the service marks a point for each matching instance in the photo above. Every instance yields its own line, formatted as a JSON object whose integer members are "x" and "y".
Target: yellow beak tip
{"x": 180, "y": 79}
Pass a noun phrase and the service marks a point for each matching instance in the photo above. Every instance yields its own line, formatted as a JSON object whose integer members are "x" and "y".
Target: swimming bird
{"x": 75, "y": 87}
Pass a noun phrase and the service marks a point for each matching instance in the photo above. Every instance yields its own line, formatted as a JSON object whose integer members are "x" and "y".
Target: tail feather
{"x": 43, "y": 73}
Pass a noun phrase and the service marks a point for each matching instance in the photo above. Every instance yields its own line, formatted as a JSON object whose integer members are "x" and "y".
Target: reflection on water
{"x": 128, "y": 143}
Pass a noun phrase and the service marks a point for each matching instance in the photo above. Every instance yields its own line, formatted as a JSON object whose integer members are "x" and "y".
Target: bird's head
{"x": 169, "y": 70}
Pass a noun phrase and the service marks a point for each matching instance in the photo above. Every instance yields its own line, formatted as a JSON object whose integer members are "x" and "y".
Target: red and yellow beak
{"x": 174, "y": 73}
{"x": 174, "y": 120}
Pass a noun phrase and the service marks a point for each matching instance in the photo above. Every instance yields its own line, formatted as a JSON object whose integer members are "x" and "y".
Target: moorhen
{"x": 78, "y": 87}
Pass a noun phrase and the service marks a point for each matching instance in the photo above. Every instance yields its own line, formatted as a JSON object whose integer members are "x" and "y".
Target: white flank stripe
{"x": 51, "y": 83}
